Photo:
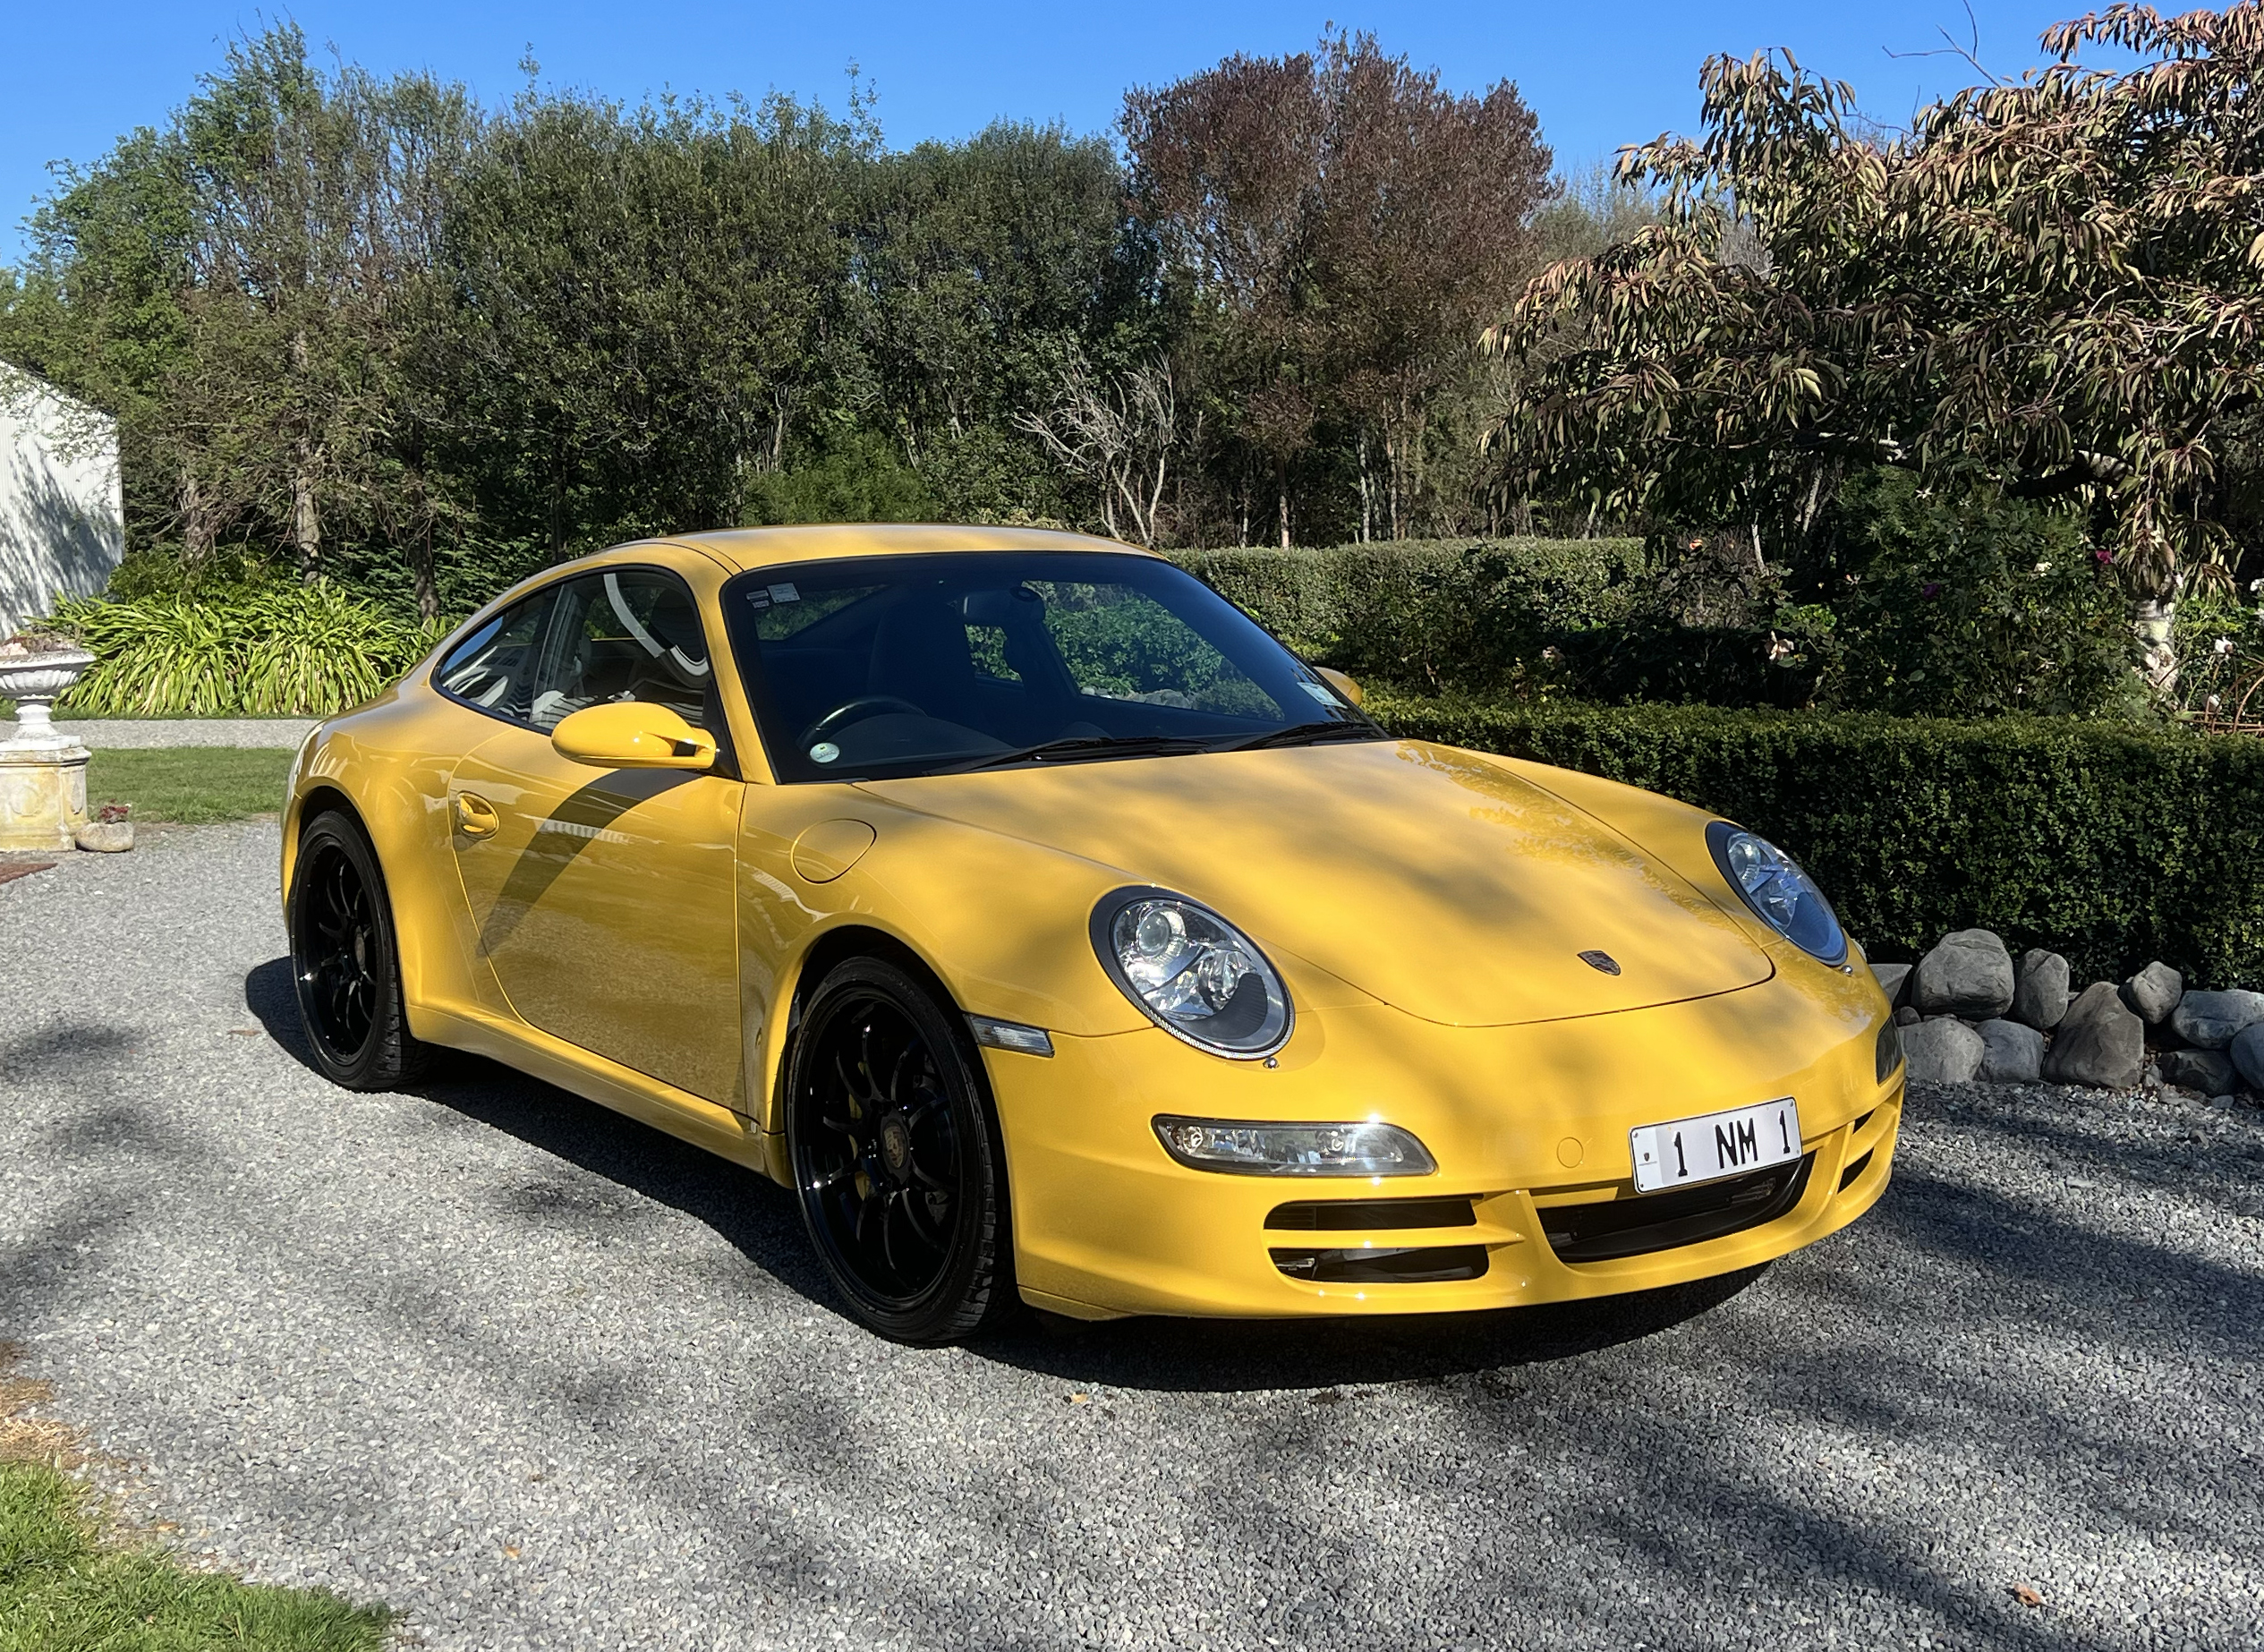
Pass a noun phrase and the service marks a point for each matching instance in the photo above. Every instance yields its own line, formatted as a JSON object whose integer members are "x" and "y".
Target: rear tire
{"x": 345, "y": 962}
{"x": 897, "y": 1158}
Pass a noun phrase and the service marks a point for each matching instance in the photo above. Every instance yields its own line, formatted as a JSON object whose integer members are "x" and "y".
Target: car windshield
{"x": 884, "y": 667}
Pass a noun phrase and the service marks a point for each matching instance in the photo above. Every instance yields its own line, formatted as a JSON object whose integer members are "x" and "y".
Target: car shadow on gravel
{"x": 759, "y": 1220}
{"x": 1230, "y": 1354}
{"x": 748, "y": 1211}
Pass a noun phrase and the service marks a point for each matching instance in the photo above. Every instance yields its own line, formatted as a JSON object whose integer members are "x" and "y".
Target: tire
{"x": 347, "y": 964}
{"x": 897, "y": 1157}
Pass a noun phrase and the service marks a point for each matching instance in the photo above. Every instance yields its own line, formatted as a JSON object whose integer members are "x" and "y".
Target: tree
{"x": 639, "y": 303}
{"x": 1344, "y": 223}
{"x": 316, "y": 207}
{"x": 2050, "y": 287}
{"x": 1117, "y": 435}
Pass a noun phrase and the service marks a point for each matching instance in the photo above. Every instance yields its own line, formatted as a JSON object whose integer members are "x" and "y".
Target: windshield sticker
{"x": 785, "y": 593}
{"x": 824, "y": 750}
{"x": 758, "y": 600}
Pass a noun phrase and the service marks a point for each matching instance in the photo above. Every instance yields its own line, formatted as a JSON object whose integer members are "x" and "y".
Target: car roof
{"x": 759, "y": 548}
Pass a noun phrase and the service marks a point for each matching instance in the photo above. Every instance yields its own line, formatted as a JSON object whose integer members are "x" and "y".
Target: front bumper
{"x": 1522, "y": 1120}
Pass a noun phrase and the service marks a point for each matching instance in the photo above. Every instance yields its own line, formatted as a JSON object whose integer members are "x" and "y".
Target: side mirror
{"x": 633, "y": 733}
{"x": 1337, "y": 680}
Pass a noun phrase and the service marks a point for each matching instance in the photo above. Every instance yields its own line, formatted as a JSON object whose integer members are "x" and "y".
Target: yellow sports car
{"x": 1059, "y": 936}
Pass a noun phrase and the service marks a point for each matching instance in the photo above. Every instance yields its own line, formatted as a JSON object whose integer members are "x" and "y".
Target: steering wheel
{"x": 854, "y": 710}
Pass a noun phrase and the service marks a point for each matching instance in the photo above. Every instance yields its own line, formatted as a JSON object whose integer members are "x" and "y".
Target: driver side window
{"x": 628, "y": 633}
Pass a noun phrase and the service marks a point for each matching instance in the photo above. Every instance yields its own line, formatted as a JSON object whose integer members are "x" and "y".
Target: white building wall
{"x": 62, "y": 515}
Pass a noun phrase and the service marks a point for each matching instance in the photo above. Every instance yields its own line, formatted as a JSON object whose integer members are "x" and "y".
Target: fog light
{"x": 1252, "y": 1149}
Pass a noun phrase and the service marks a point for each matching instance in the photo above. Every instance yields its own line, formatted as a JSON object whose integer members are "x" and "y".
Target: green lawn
{"x": 194, "y": 784}
{"x": 62, "y": 1586}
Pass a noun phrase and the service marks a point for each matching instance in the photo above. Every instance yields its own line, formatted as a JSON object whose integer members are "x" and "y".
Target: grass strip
{"x": 190, "y": 784}
{"x": 66, "y": 1582}
{"x": 61, "y": 1585}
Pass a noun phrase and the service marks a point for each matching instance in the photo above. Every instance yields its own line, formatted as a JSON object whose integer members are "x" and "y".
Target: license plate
{"x": 1715, "y": 1145}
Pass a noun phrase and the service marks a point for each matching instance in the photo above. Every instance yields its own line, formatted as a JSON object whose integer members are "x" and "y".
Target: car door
{"x": 602, "y": 900}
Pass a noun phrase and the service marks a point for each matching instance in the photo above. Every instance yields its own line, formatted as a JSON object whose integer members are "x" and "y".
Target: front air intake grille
{"x": 1848, "y": 1176}
{"x": 1636, "y": 1226}
{"x": 1430, "y": 1266}
{"x": 1341, "y": 1215}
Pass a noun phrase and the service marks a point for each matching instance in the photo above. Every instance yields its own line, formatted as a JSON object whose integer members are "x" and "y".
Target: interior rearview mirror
{"x": 633, "y": 733}
{"x": 1337, "y": 680}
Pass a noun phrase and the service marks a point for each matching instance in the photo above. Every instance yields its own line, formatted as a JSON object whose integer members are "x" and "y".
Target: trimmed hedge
{"x": 1445, "y": 613}
{"x": 2116, "y": 844}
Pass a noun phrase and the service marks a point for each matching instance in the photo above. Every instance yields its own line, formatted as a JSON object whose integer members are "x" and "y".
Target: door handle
{"x": 476, "y": 816}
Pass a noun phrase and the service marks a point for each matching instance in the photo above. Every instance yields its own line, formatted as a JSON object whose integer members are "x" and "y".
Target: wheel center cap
{"x": 896, "y": 1144}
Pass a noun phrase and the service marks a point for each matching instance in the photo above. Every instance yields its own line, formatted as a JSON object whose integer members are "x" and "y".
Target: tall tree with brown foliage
{"x": 1343, "y": 224}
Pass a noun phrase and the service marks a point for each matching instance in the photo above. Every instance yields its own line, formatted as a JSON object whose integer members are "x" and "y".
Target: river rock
{"x": 1942, "y": 1050}
{"x": 2100, "y": 1043}
{"x": 1907, "y": 1017}
{"x": 1969, "y": 973}
{"x": 2154, "y": 992}
{"x": 2247, "y": 1051}
{"x": 2039, "y": 994}
{"x": 2010, "y": 1053}
{"x": 1894, "y": 981}
{"x": 2212, "y": 1020}
{"x": 2210, "y": 1071}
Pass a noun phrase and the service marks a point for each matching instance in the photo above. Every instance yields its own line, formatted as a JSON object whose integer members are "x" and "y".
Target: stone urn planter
{"x": 36, "y": 668}
{"x": 43, "y": 772}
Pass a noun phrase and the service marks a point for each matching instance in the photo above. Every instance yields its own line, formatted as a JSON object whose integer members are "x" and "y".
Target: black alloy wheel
{"x": 344, "y": 962}
{"x": 897, "y": 1158}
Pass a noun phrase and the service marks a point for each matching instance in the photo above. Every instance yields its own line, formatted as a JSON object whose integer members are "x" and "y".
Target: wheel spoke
{"x": 913, "y": 1204}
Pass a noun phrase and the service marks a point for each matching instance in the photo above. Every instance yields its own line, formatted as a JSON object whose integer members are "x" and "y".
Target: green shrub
{"x": 2115, "y": 844}
{"x": 862, "y": 478}
{"x": 1970, "y": 605}
{"x": 1909, "y": 602}
{"x": 1453, "y": 614}
{"x": 283, "y": 649}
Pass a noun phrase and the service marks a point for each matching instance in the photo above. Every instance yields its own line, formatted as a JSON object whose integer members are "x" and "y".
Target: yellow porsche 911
{"x": 1060, "y": 937}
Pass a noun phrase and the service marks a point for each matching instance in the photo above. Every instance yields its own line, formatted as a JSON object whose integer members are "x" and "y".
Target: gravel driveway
{"x": 539, "y": 1377}
{"x": 142, "y": 734}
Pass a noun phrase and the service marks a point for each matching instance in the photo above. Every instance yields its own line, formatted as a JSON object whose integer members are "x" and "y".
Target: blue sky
{"x": 72, "y": 79}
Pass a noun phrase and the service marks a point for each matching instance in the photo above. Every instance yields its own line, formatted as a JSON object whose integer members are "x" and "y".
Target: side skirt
{"x": 540, "y": 1055}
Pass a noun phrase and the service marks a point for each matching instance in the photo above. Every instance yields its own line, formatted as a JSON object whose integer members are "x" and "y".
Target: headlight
{"x": 1782, "y": 896}
{"x": 1250, "y": 1148}
{"x": 1195, "y": 974}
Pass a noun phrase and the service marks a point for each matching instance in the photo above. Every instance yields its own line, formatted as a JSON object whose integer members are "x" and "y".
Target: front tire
{"x": 345, "y": 962}
{"x": 897, "y": 1157}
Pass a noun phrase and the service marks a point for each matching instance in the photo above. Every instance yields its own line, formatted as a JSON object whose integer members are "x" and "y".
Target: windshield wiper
{"x": 1307, "y": 734}
{"x": 1088, "y": 746}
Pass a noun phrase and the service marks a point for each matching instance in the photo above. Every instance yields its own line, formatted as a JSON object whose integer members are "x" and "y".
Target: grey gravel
{"x": 541, "y": 1377}
{"x": 136, "y": 733}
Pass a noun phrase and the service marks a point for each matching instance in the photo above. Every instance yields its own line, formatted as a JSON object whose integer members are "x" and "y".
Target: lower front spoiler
{"x": 1163, "y": 1240}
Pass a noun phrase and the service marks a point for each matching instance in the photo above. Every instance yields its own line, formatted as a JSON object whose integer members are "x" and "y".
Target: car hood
{"x": 1429, "y": 877}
